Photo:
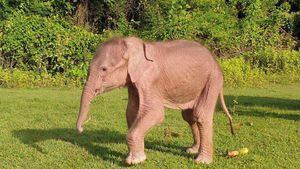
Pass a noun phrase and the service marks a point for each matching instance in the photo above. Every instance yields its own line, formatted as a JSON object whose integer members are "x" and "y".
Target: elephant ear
{"x": 139, "y": 58}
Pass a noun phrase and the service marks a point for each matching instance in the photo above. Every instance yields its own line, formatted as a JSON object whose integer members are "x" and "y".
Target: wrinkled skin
{"x": 176, "y": 74}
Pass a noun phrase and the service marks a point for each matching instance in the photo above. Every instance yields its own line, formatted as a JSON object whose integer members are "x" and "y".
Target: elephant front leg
{"x": 146, "y": 119}
{"x": 132, "y": 106}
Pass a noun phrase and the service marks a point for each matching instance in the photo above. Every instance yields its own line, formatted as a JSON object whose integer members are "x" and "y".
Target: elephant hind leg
{"x": 187, "y": 115}
{"x": 203, "y": 113}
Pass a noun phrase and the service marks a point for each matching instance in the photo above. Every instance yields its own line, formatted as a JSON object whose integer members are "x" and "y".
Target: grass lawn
{"x": 38, "y": 131}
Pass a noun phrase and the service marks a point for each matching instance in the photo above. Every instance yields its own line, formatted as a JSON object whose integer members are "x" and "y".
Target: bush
{"x": 237, "y": 72}
{"x": 16, "y": 78}
{"x": 46, "y": 45}
{"x": 281, "y": 66}
{"x": 259, "y": 68}
{"x": 36, "y": 7}
{"x": 273, "y": 60}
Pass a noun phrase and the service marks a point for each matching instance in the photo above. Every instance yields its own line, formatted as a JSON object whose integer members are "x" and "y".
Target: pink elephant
{"x": 178, "y": 74}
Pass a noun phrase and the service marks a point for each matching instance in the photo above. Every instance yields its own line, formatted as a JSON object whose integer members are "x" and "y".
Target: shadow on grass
{"x": 279, "y": 103}
{"x": 85, "y": 140}
{"x": 268, "y": 102}
{"x": 32, "y": 136}
{"x": 269, "y": 114}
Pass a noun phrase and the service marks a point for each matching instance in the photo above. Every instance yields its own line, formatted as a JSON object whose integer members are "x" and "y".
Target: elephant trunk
{"x": 86, "y": 98}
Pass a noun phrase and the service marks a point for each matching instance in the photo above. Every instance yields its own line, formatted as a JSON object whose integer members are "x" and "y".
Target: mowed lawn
{"x": 38, "y": 131}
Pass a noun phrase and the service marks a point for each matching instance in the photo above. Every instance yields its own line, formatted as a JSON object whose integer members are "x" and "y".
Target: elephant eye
{"x": 103, "y": 69}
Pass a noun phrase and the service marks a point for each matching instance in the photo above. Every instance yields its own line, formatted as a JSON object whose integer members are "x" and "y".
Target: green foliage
{"x": 18, "y": 79}
{"x": 168, "y": 20}
{"x": 274, "y": 61}
{"x": 218, "y": 26}
{"x": 37, "y": 7}
{"x": 110, "y": 15}
{"x": 264, "y": 25}
{"x": 259, "y": 68}
{"x": 255, "y": 39}
{"x": 238, "y": 72}
{"x": 46, "y": 45}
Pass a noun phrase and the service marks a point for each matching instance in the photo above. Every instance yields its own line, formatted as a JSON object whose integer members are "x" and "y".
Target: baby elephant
{"x": 177, "y": 74}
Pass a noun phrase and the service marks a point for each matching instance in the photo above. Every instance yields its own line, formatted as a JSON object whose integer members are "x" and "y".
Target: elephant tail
{"x": 226, "y": 111}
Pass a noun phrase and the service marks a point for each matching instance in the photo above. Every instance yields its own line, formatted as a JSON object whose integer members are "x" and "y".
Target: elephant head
{"x": 116, "y": 63}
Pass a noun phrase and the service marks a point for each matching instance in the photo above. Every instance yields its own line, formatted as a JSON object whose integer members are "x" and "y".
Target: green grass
{"x": 38, "y": 131}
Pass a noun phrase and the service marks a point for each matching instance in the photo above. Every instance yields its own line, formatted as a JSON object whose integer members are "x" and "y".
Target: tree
{"x": 82, "y": 12}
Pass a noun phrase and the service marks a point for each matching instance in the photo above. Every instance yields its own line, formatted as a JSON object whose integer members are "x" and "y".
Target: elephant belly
{"x": 183, "y": 75}
{"x": 182, "y": 93}
{"x": 181, "y": 106}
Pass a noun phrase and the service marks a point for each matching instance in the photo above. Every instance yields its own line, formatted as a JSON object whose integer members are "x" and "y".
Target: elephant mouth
{"x": 106, "y": 88}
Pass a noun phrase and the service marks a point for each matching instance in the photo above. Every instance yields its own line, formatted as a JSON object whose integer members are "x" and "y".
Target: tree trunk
{"x": 82, "y": 12}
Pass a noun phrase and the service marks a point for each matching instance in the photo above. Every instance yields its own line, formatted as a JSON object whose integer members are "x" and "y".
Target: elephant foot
{"x": 135, "y": 158}
{"x": 193, "y": 150}
{"x": 204, "y": 159}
